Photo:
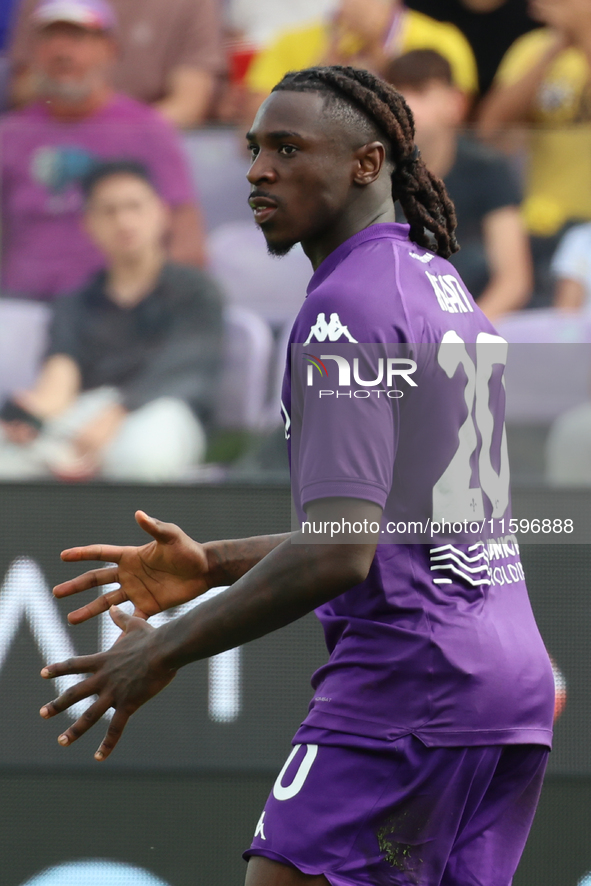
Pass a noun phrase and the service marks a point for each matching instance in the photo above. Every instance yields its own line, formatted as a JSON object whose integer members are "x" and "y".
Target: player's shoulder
{"x": 381, "y": 286}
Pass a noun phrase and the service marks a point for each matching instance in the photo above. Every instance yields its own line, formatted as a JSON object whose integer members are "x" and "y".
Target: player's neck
{"x": 356, "y": 219}
{"x": 131, "y": 279}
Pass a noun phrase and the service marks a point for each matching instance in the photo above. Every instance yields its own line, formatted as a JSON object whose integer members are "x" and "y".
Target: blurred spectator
{"x": 364, "y": 33}
{"x": 571, "y": 268}
{"x": 491, "y": 26}
{"x": 49, "y": 145}
{"x": 132, "y": 361}
{"x": 251, "y": 25}
{"x": 168, "y": 54}
{"x": 8, "y": 9}
{"x": 494, "y": 259}
{"x": 259, "y": 20}
{"x": 543, "y": 82}
{"x": 7, "y": 12}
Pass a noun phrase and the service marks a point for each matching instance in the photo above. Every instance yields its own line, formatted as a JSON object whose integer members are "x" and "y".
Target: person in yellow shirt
{"x": 365, "y": 34}
{"x": 544, "y": 82}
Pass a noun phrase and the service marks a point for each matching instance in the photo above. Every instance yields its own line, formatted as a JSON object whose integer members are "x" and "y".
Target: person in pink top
{"x": 47, "y": 147}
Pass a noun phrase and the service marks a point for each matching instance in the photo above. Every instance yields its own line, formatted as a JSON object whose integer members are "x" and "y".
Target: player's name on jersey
{"x": 450, "y": 293}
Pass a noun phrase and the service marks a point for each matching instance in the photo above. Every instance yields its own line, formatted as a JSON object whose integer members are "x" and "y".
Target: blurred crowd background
{"x": 143, "y": 326}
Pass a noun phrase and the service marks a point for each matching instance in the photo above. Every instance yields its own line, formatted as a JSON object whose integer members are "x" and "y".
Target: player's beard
{"x": 279, "y": 249}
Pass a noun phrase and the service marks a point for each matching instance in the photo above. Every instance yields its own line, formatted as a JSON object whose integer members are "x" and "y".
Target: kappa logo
{"x": 332, "y": 330}
{"x": 260, "y": 828}
{"x": 426, "y": 258}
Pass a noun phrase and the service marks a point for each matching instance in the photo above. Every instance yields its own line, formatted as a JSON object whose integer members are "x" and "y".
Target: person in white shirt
{"x": 571, "y": 266}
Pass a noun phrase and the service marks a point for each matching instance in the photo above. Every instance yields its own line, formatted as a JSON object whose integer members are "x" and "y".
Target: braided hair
{"x": 358, "y": 94}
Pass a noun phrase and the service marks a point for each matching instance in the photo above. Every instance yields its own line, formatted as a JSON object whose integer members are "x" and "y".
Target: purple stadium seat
{"x": 273, "y": 288}
{"x": 549, "y": 364}
{"x": 244, "y": 385}
{"x": 23, "y": 328}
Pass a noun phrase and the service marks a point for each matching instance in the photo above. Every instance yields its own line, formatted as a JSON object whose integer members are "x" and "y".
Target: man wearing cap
{"x": 168, "y": 54}
{"x": 47, "y": 147}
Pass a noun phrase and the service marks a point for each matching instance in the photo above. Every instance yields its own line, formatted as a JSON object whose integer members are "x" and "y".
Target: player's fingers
{"x": 83, "y": 723}
{"x": 95, "y": 607}
{"x": 127, "y": 622}
{"x": 166, "y": 533}
{"x": 81, "y": 664}
{"x": 110, "y": 553}
{"x": 92, "y": 579}
{"x": 114, "y": 732}
{"x": 72, "y": 695}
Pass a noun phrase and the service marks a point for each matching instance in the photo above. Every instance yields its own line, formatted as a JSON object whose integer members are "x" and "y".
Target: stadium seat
{"x": 549, "y": 364}
{"x": 244, "y": 384}
{"x": 23, "y": 329}
{"x": 273, "y": 288}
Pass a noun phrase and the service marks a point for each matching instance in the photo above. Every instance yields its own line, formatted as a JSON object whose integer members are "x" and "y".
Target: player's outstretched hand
{"x": 165, "y": 572}
{"x": 123, "y": 678}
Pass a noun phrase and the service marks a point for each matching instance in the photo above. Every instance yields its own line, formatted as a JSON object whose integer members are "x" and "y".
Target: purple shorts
{"x": 406, "y": 815}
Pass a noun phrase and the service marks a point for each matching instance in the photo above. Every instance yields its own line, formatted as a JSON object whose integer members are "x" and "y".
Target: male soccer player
{"x": 422, "y": 756}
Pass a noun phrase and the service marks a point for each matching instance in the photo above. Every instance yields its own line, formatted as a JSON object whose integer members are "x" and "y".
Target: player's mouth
{"x": 263, "y": 208}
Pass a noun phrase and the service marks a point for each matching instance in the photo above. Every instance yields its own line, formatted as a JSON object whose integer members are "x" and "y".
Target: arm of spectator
{"x": 569, "y": 295}
{"x": 56, "y": 388}
{"x": 509, "y": 259}
{"x": 189, "y": 96}
{"x": 187, "y": 364}
{"x": 511, "y": 99}
{"x": 83, "y": 458}
{"x": 186, "y": 243}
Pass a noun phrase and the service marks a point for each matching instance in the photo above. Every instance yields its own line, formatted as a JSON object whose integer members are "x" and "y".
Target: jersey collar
{"x": 380, "y": 231}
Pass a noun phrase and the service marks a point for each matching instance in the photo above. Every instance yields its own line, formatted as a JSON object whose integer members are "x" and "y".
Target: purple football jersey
{"x": 440, "y": 640}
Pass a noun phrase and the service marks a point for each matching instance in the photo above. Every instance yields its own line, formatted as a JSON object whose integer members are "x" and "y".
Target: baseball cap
{"x": 96, "y": 15}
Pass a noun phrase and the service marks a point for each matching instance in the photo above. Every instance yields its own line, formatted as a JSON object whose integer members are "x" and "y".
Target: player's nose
{"x": 261, "y": 170}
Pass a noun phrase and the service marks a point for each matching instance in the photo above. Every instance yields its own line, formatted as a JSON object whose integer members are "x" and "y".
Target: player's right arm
{"x": 165, "y": 572}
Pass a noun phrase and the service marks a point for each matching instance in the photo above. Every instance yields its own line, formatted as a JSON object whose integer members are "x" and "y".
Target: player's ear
{"x": 369, "y": 160}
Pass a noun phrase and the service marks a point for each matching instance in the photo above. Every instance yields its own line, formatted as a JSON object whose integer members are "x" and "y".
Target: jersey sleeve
{"x": 347, "y": 447}
{"x": 344, "y": 435}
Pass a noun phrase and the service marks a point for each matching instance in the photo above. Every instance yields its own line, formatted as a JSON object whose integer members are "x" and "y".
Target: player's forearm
{"x": 291, "y": 581}
{"x": 230, "y": 560}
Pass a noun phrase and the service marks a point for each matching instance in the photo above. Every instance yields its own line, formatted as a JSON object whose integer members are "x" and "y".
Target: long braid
{"x": 421, "y": 194}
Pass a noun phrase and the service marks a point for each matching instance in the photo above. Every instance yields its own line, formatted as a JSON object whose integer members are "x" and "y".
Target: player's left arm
{"x": 509, "y": 259}
{"x": 292, "y": 580}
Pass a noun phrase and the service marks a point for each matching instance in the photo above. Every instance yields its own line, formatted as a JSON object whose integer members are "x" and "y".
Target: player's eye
{"x": 254, "y": 150}
{"x": 288, "y": 150}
